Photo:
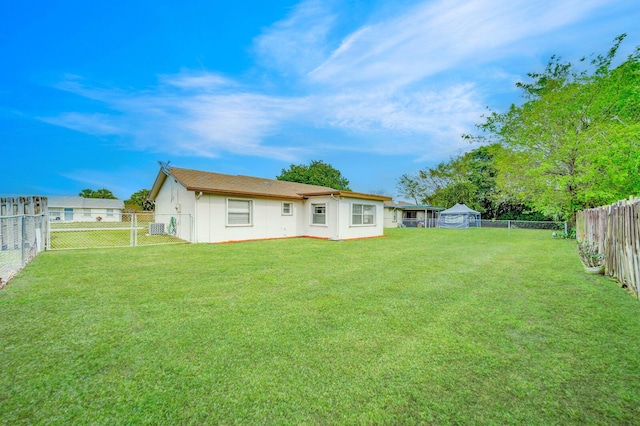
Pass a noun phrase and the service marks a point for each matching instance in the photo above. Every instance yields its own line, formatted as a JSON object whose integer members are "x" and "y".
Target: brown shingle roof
{"x": 216, "y": 183}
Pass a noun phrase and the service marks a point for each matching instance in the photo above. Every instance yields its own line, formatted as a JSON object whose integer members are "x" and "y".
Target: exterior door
{"x": 68, "y": 215}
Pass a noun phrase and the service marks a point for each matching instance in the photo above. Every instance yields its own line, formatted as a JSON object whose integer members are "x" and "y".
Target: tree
{"x": 469, "y": 178}
{"x": 100, "y": 193}
{"x": 316, "y": 173}
{"x": 573, "y": 143}
{"x": 411, "y": 187}
{"x": 139, "y": 201}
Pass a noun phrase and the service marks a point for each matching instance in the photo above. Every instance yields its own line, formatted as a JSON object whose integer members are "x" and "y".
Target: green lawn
{"x": 92, "y": 238}
{"x": 424, "y": 326}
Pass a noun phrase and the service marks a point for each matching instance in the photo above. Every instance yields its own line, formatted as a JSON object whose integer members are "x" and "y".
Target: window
{"x": 238, "y": 212}
{"x": 319, "y": 214}
{"x": 363, "y": 214}
{"x": 86, "y": 212}
{"x": 287, "y": 209}
{"x": 109, "y": 212}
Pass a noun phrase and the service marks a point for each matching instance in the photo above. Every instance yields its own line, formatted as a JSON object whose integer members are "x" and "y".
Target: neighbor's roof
{"x": 397, "y": 204}
{"x": 217, "y": 183}
{"x": 81, "y": 202}
{"x": 459, "y": 209}
{"x": 401, "y": 205}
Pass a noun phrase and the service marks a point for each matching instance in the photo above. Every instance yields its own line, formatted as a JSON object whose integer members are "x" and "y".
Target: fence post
{"x": 566, "y": 228}
{"x": 22, "y": 239}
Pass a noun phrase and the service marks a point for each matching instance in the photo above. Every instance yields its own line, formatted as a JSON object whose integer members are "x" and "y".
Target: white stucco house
{"x": 226, "y": 208}
{"x": 80, "y": 209}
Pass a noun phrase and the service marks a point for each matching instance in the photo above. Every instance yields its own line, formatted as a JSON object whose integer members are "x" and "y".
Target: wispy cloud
{"x": 298, "y": 43}
{"x": 389, "y": 80}
{"x": 433, "y": 37}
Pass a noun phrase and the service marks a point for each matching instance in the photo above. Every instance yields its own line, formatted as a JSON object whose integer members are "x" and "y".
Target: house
{"x": 80, "y": 209}
{"x": 402, "y": 214}
{"x": 459, "y": 216}
{"x": 235, "y": 208}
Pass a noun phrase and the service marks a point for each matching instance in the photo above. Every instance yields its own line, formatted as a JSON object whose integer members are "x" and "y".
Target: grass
{"x": 101, "y": 238}
{"x": 423, "y": 326}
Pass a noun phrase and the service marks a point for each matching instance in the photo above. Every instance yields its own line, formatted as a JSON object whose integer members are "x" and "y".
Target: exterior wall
{"x": 348, "y": 230}
{"x": 330, "y": 229}
{"x": 210, "y": 216}
{"x": 392, "y": 217}
{"x": 82, "y": 214}
{"x": 174, "y": 201}
{"x": 267, "y": 220}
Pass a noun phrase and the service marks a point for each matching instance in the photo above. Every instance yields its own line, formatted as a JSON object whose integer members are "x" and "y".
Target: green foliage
{"x": 573, "y": 144}
{"x": 498, "y": 328}
{"x": 316, "y": 173}
{"x": 470, "y": 178}
{"x": 100, "y": 193}
{"x": 410, "y": 187}
{"x": 139, "y": 201}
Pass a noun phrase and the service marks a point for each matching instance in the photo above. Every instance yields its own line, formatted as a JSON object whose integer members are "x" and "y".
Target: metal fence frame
{"x": 22, "y": 237}
{"x": 526, "y": 224}
{"x": 131, "y": 230}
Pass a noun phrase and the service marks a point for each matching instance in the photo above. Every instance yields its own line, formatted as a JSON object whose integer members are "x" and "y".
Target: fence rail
{"x": 615, "y": 229}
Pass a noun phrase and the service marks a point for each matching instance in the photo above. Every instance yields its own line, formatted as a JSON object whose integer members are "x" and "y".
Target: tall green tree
{"x": 315, "y": 173}
{"x": 574, "y": 142}
{"x": 139, "y": 201}
{"x": 100, "y": 193}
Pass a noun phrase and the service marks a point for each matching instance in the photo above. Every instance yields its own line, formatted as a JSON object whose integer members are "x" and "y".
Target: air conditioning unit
{"x": 156, "y": 229}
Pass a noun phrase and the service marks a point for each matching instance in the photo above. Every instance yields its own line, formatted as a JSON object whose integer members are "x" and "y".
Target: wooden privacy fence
{"x": 616, "y": 231}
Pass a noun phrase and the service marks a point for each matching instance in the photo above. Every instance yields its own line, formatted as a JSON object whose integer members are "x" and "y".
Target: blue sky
{"x": 94, "y": 93}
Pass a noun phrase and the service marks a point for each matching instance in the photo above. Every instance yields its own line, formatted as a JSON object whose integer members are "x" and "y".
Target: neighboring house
{"x": 79, "y": 209}
{"x": 236, "y": 208}
{"x": 401, "y": 214}
{"x": 459, "y": 216}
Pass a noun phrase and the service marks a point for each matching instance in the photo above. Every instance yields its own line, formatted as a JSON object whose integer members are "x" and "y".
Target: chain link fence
{"x": 129, "y": 230}
{"x": 21, "y": 239}
{"x": 525, "y": 224}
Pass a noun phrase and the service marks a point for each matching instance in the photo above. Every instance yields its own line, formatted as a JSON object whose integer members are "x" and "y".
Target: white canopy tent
{"x": 459, "y": 216}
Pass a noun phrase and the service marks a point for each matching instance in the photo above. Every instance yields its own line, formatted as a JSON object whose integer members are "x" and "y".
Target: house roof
{"x": 217, "y": 183}
{"x": 81, "y": 202}
{"x": 459, "y": 209}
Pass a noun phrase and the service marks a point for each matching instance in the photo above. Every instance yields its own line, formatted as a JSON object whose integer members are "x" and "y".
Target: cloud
{"x": 298, "y": 43}
{"x": 433, "y": 37}
{"x": 202, "y": 115}
{"x": 403, "y": 84}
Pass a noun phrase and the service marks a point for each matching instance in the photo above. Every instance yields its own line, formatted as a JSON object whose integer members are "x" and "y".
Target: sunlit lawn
{"x": 423, "y": 326}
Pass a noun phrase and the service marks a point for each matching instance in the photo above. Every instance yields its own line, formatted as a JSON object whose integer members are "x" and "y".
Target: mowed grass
{"x": 422, "y": 326}
{"x": 101, "y": 238}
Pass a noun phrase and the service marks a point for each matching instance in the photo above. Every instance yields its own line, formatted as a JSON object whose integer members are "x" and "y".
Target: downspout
{"x": 337, "y": 216}
{"x": 195, "y": 219}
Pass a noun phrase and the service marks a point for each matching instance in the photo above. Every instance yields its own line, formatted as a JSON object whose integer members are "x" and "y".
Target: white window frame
{"x": 237, "y": 210}
{"x": 284, "y": 209}
{"x": 315, "y": 215}
{"x": 361, "y": 218}
{"x": 110, "y": 213}
{"x": 86, "y": 213}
